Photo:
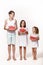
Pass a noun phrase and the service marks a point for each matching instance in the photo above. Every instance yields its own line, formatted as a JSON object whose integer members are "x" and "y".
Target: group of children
{"x": 11, "y": 27}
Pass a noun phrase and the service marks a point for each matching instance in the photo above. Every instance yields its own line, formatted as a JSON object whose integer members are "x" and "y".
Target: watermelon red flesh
{"x": 11, "y": 28}
{"x": 31, "y": 37}
{"x": 22, "y": 30}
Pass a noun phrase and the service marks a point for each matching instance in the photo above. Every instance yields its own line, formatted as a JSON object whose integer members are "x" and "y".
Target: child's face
{"x": 11, "y": 15}
{"x": 22, "y": 24}
{"x": 33, "y": 30}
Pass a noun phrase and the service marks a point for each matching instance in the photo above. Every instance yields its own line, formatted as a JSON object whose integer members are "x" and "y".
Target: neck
{"x": 22, "y": 27}
{"x": 10, "y": 19}
{"x": 34, "y": 33}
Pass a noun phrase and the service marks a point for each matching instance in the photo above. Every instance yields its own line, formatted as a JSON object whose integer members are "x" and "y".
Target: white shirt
{"x": 10, "y": 23}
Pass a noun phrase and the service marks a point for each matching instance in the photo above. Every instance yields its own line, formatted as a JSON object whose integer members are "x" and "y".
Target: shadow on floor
{"x": 39, "y": 55}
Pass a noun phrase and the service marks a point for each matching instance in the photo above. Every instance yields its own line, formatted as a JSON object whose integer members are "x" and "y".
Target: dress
{"x": 34, "y": 44}
{"x": 23, "y": 39}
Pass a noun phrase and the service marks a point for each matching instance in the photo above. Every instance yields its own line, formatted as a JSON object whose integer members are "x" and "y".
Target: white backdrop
{"x": 32, "y": 12}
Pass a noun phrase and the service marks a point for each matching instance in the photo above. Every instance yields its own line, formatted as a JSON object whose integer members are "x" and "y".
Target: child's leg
{"x": 34, "y": 53}
{"x": 24, "y": 53}
{"x": 20, "y": 53}
{"x": 13, "y": 49}
{"x": 9, "y": 52}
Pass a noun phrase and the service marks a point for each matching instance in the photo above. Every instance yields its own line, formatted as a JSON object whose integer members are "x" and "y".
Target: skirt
{"x": 34, "y": 44}
{"x": 22, "y": 39}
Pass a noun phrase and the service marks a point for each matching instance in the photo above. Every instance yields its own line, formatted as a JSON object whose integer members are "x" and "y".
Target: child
{"x": 11, "y": 27}
{"x": 22, "y": 38}
{"x": 34, "y": 37}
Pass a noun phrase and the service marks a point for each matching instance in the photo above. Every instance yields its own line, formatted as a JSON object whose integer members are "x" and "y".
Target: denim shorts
{"x": 11, "y": 38}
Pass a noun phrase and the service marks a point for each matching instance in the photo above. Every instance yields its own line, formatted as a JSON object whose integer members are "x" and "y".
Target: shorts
{"x": 11, "y": 38}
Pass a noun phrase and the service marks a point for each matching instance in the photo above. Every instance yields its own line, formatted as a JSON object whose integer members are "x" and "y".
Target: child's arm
{"x": 16, "y": 24}
{"x": 27, "y": 31}
{"x": 23, "y": 33}
{"x": 27, "y": 39}
{"x": 34, "y": 39}
{"x": 18, "y": 33}
{"x": 37, "y": 38}
{"x": 5, "y": 25}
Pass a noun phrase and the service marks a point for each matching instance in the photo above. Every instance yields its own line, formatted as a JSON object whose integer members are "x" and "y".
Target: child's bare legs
{"x": 20, "y": 53}
{"x": 9, "y": 52}
{"x": 24, "y": 53}
{"x": 34, "y": 52}
{"x": 13, "y": 49}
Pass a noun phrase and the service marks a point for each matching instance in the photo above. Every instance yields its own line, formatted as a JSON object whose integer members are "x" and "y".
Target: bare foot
{"x": 8, "y": 59}
{"x": 25, "y": 59}
{"x": 14, "y": 58}
{"x": 20, "y": 58}
{"x": 34, "y": 58}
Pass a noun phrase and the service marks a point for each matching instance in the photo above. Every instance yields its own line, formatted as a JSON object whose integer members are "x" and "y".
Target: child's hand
{"x": 12, "y": 28}
{"x": 6, "y": 28}
{"x": 23, "y": 33}
{"x": 34, "y": 39}
{"x": 15, "y": 29}
{"x": 37, "y": 38}
{"x": 26, "y": 32}
{"x": 18, "y": 33}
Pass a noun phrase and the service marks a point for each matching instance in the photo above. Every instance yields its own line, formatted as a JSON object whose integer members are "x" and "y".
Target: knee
{"x": 9, "y": 45}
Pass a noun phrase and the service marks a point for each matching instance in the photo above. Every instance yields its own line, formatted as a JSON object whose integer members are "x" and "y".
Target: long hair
{"x": 24, "y": 23}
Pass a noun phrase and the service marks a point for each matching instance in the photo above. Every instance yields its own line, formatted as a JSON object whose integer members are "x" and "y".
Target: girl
{"x": 22, "y": 38}
{"x": 34, "y": 37}
{"x": 11, "y": 27}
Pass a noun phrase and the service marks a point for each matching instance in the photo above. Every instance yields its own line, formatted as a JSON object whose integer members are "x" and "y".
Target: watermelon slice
{"x": 22, "y": 30}
{"x": 31, "y": 37}
{"x": 11, "y": 28}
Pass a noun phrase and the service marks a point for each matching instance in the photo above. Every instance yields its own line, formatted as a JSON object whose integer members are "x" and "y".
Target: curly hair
{"x": 36, "y": 29}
